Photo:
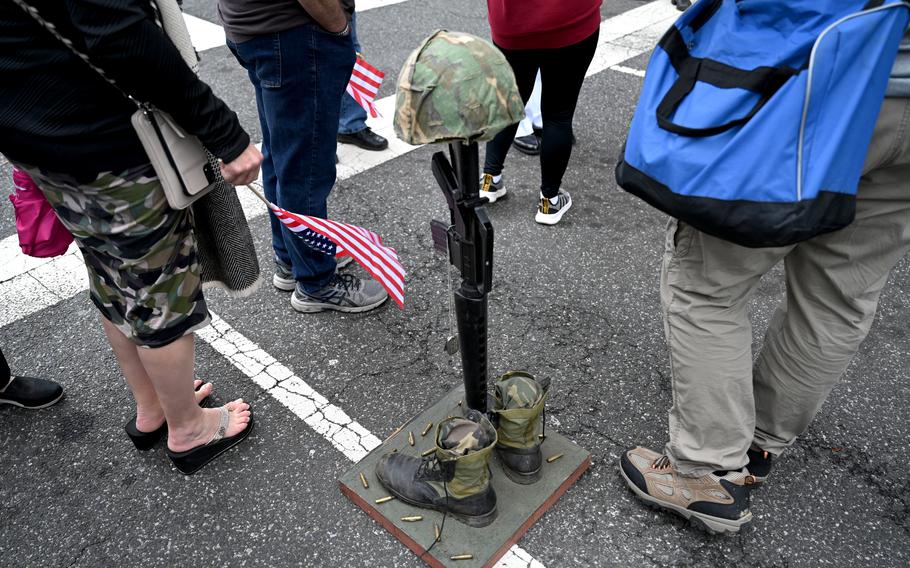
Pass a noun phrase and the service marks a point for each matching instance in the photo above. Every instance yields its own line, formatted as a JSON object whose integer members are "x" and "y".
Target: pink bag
{"x": 41, "y": 233}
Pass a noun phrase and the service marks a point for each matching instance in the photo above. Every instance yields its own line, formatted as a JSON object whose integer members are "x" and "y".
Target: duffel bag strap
{"x": 765, "y": 81}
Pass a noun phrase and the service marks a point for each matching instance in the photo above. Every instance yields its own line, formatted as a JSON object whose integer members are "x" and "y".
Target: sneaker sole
{"x": 20, "y": 405}
{"x": 707, "y": 523}
{"x": 552, "y": 218}
{"x": 494, "y": 196}
{"x": 283, "y": 284}
{"x": 313, "y": 308}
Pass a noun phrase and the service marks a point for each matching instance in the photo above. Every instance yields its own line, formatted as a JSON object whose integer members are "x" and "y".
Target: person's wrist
{"x": 344, "y": 32}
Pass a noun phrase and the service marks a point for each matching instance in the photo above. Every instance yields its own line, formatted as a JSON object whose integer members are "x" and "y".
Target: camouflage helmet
{"x": 455, "y": 86}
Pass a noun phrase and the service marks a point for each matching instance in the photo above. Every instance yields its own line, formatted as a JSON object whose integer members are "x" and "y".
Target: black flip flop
{"x": 145, "y": 441}
{"x": 191, "y": 461}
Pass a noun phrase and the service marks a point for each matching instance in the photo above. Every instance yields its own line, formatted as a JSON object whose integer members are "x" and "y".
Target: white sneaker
{"x": 490, "y": 189}
{"x": 550, "y": 214}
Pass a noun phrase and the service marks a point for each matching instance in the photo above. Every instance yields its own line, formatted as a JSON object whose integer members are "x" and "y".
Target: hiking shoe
{"x": 492, "y": 191}
{"x": 30, "y": 393}
{"x": 550, "y": 214}
{"x": 715, "y": 503}
{"x": 760, "y": 464}
{"x": 343, "y": 293}
{"x": 283, "y": 278}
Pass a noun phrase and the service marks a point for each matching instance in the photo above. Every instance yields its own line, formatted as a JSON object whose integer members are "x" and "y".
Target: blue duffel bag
{"x": 756, "y": 115}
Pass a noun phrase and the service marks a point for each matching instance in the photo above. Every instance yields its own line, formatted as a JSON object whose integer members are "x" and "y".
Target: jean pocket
{"x": 268, "y": 65}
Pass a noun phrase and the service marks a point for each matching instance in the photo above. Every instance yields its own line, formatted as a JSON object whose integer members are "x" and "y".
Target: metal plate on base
{"x": 518, "y": 506}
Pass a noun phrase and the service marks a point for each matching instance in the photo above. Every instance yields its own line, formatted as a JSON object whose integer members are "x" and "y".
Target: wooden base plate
{"x": 519, "y": 506}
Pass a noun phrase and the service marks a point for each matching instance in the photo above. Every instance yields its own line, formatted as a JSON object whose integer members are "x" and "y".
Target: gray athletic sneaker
{"x": 344, "y": 293}
{"x": 549, "y": 213}
{"x": 283, "y": 278}
{"x": 490, "y": 189}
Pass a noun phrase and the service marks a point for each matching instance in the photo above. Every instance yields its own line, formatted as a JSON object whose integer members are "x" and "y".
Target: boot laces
{"x": 663, "y": 462}
{"x": 432, "y": 469}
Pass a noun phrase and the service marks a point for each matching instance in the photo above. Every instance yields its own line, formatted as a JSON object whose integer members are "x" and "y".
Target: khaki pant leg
{"x": 706, "y": 284}
{"x": 833, "y": 287}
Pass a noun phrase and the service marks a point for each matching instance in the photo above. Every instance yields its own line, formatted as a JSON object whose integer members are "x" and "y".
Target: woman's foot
{"x": 204, "y": 431}
{"x": 151, "y": 418}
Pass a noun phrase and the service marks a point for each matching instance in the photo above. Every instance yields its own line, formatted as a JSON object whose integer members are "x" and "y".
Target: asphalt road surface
{"x": 577, "y": 302}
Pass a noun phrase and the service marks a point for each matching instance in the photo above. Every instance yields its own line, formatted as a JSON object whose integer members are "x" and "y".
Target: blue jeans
{"x": 353, "y": 117}
{"x": 298, "y": 74}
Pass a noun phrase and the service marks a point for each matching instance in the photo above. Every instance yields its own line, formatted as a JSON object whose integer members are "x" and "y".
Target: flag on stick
{"x": 341, "y": 239}
{"x": 364, "y": 85}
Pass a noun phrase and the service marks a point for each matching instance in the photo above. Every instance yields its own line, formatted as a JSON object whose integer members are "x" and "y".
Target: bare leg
{"x": 170, "y": 370}
{"x": 149, "y": 414}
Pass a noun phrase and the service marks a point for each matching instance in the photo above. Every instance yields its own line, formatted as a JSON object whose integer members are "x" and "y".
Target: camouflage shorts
{"x": 141, "y": 254}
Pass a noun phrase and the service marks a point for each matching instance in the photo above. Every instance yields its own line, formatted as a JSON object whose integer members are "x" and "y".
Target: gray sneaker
{"x": 344, "y": 293}
{"x": 283, "y": 278}
{"x": 490, "y": 189}
{"x": 550, "y": 214}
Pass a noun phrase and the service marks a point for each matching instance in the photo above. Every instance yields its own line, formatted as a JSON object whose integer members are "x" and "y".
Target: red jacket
{"x": 542, "y": 24}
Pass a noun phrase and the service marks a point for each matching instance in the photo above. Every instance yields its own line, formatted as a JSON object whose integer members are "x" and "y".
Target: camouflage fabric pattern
{"x": 519, "y": 403}
{"x": 469, "y": 443}
{"x": 140, "y": 254}
{"x": 455, "y": 86}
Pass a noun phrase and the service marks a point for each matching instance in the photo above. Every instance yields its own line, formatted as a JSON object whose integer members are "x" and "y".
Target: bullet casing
{"x": 462, "y": 557}
{"x": 382, "y": 500}
{"x": 363, "y": 480}
{"x": 412, "y": 518}
{"x": 426, "y": 429}
{"x": 552, "y": 459}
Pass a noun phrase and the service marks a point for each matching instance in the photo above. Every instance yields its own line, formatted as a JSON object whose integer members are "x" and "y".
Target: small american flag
{"x": 364, "y": 85}
{"x": 349, "y": 240}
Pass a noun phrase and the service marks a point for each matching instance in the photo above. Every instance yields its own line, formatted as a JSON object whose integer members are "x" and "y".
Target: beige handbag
{"x": 186, "y": 170}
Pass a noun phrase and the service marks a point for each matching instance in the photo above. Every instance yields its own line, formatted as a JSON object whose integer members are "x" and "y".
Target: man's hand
{"x": 245, "y": 167}
{"x": 327, "y": 13}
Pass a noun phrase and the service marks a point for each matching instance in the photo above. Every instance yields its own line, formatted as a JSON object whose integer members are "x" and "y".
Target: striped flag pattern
{"x": 364, "y": 246}
{"x": 364, "y": 85}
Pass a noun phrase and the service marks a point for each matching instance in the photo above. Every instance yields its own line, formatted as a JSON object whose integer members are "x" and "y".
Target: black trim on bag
{"x": 765, "y": 81}
{"x": 150, "y": 115}
{"x": 751, "y": 224}
{"x": 705, "y": 14}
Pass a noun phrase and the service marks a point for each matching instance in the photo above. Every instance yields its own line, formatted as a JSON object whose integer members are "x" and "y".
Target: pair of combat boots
{"x": 455, "y": 479}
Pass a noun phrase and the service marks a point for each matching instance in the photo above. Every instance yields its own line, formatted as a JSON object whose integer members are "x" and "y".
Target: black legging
{"x": 562, "y": 72}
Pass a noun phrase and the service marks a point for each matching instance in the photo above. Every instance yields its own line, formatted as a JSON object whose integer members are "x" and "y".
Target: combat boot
{"x": 518, "y": 405}
{"x": 455, "y": 479}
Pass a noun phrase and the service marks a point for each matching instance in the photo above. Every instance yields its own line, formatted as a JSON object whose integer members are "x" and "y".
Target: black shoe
{"x": 760, "y": 464}
{"x": 366, "y": 139}
{"x": 529, "y": 144}
{"x": 191, "y": 461}
{"x": 31, "y": 393}
{"x": 682, "y": 5}
{"x": 145, "y": 441}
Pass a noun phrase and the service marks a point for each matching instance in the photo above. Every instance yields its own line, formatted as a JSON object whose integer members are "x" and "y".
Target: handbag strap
{"x": 33, "y": 12}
